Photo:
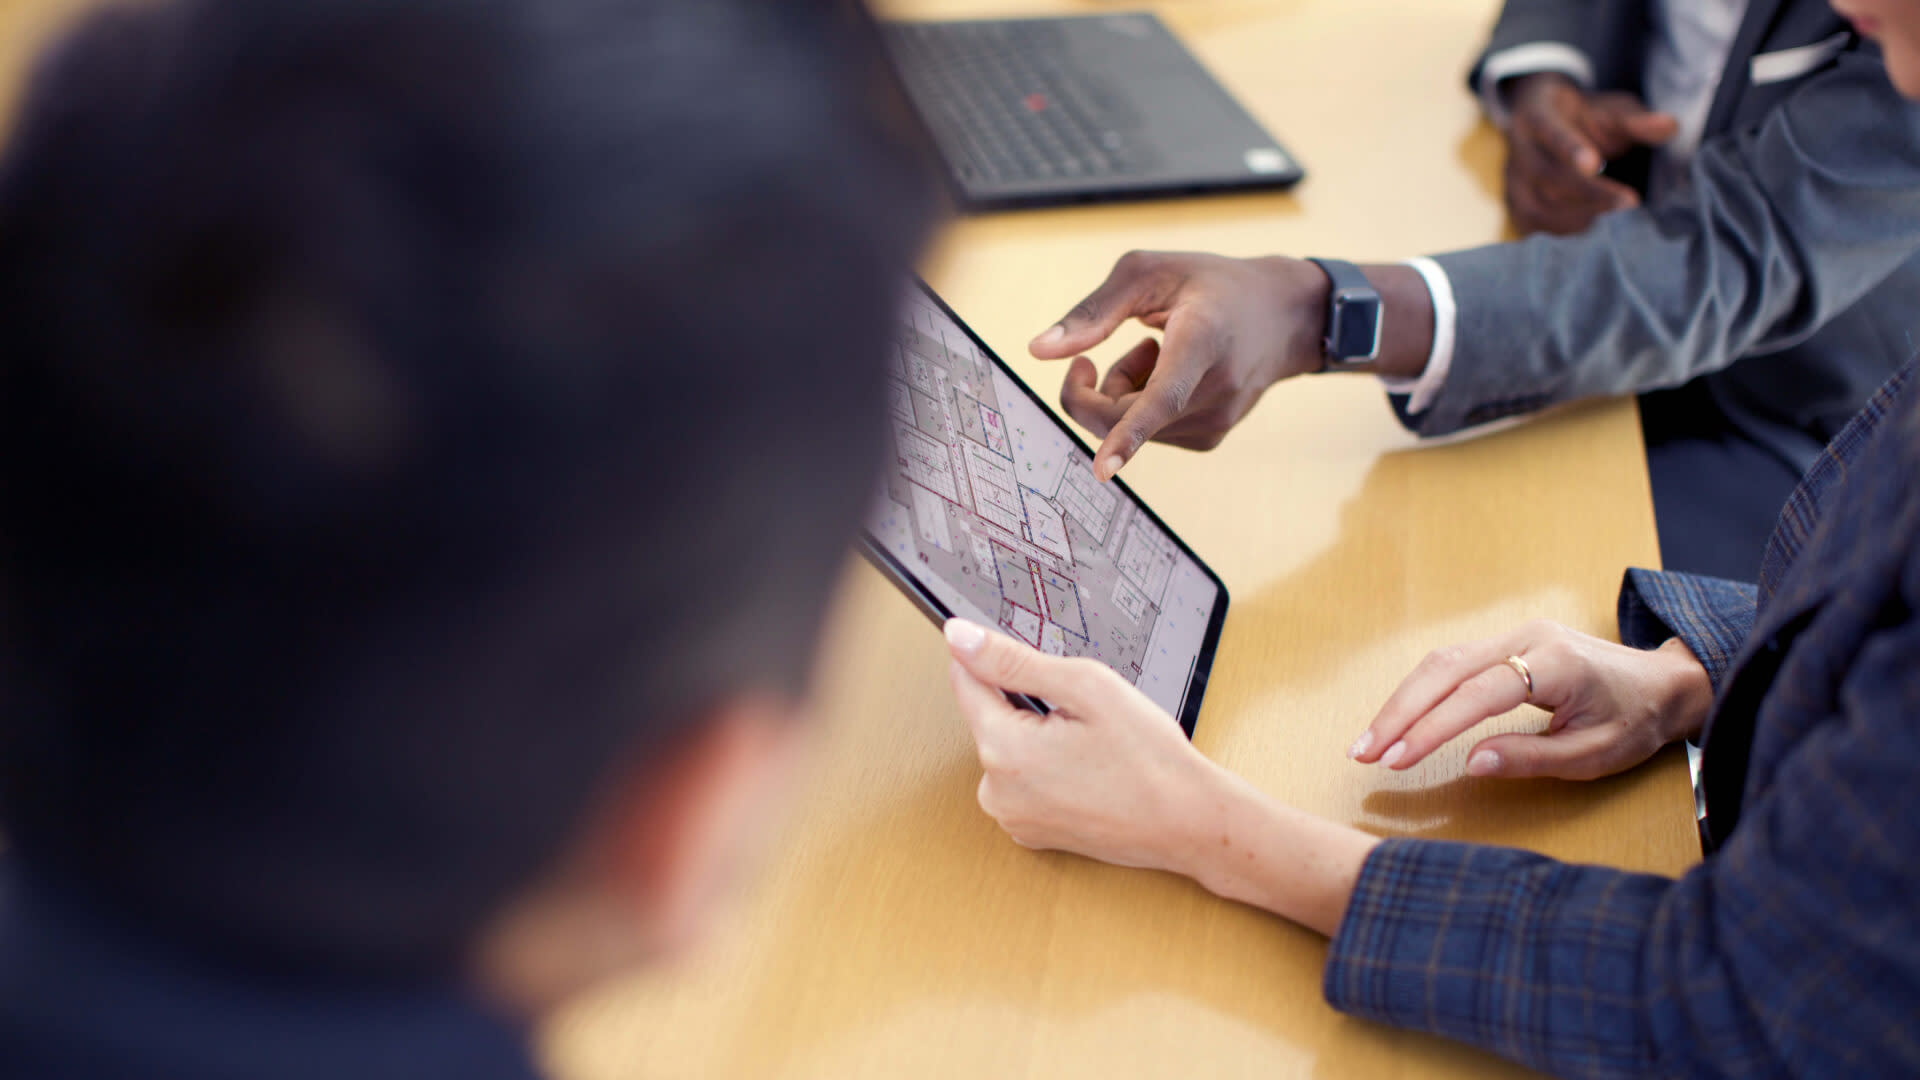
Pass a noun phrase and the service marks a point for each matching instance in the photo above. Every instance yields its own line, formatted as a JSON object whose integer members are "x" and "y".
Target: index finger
{"x": 1438, "y": 675}
{"x": 1616, "y": 121}
{"x": 1493, "y": 691}
{"x": 1138, "y": 285}
{"x": 1168, "y": 392}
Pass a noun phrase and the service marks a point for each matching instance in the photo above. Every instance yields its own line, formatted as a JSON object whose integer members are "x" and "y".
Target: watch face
{"x": 1353, "y": 327}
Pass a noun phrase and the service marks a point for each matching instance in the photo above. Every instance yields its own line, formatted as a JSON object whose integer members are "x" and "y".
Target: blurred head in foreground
{"x": 429, "y": 432}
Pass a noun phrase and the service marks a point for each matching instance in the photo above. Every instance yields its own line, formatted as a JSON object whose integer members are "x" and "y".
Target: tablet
{"x": 990, "y": 511}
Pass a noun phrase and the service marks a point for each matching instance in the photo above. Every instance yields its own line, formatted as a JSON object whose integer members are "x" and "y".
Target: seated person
{"x": 1794, "y": 948}
{"x": 416, "y": 507}
{"x": 1763, "y": 283}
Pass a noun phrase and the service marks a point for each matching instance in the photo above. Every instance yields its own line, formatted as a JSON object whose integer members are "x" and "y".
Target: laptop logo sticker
{"x": 1265, "y": 161}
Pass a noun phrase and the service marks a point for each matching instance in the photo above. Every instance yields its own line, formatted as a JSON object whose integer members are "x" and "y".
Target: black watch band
{"x": 1353, "y": 316}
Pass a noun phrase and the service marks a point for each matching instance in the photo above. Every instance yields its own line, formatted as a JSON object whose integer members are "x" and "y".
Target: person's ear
{"x": 688, "y": 824}
{"x": 654, "y": 860}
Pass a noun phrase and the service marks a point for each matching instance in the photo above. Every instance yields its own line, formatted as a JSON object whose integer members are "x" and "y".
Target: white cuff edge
{"x": 1529, "y": 60}
{"x": 1423, "y": 389}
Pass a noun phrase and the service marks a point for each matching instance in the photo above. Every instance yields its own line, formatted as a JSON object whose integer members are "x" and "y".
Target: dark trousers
{"x": 1716, "y": 492}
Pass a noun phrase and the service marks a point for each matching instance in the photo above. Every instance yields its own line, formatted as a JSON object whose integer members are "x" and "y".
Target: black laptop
{"x": 1031, "y": 112}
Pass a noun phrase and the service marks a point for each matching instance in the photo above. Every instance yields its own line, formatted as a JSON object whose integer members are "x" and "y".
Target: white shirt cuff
{"x": 1529, "y": 60}
{"x": 1423, "y": 389}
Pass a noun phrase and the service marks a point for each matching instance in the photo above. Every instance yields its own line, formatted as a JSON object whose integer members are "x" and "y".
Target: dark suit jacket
{"x": 1794, "y": 949}
{"x": 85, "y": 995}
{"x": 1793, "y": 252}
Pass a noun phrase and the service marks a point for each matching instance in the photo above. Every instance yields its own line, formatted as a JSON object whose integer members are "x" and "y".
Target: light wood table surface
{"x": 896, "y": 932}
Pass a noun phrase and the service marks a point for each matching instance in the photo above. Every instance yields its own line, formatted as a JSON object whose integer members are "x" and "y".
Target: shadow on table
{"x": 1493, "y": 553}
{"x": 1498, "y": 811}
{"x": 1490, "y": 567}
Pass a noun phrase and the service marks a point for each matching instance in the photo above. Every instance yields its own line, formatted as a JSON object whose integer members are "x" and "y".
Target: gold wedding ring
{"x": 1521, "y": 669}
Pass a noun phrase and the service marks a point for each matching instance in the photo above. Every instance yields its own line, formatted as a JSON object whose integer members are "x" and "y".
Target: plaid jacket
{"x": 1794, "y": 948}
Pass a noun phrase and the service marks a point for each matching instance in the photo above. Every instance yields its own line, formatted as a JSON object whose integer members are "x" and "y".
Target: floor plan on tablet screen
{"x": 998, "y": 512}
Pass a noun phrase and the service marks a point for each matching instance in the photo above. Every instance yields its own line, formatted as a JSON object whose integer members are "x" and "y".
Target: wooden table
{"x": 896, "y": 932}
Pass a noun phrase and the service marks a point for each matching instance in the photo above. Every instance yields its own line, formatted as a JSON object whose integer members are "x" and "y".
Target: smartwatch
{"x": 1353, "y": 317}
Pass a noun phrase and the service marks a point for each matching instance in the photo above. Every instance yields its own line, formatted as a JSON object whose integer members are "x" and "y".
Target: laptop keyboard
{"x": 1006, "y": 104}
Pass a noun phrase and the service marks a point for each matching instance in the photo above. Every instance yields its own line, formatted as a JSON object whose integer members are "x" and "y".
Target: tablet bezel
{"x": 933, "y": 608}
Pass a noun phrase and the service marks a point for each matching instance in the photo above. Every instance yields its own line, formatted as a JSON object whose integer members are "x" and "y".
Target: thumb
{"x": 985, "y": 708}
{"x": 1137, "y": 285}
{"x": 1005, "y": 664}
{"x": 1569, "y": 754}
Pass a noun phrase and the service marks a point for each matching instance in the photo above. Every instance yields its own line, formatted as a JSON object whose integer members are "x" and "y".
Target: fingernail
{"x": 1052, "y": 335}
{"x": 1360, "y": 745}
{"x": 1108, "y": 466}
{"x": 964, "y": 635}
{"x": 1394, "y": 754}
{"x": 1484, "y": 763}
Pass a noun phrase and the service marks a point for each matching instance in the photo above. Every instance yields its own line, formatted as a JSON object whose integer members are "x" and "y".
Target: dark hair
{"x": 409, "y": 411}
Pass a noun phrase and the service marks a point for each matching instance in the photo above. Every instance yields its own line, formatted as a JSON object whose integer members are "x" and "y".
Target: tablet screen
{"x": 992, "y": 506}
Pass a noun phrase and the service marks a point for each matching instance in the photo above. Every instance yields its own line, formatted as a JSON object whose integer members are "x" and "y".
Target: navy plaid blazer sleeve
{"x": 1713, "y": 616}
{"x": 1790, "y": 951}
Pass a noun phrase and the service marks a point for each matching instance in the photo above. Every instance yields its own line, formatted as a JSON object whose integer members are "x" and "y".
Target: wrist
{"x": 1407, "y": 327}
{"x": 1267, "y": 855}
{"x": 1228, "y": 825}
{"x": 1300, "y": 293}
{"x": 1198, "y": 814}
{"x": 1514, "y": 90}
{"x": 1217, "y": 851}
{"x": 1303, "y": 291}
{"x": 1687, "y": 696}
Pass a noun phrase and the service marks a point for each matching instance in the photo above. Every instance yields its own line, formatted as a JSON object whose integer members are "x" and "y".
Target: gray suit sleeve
{"x": 1528, "y": 22}
{"x": 1523, "y": 22}
{"x": 1786, "y": 225}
